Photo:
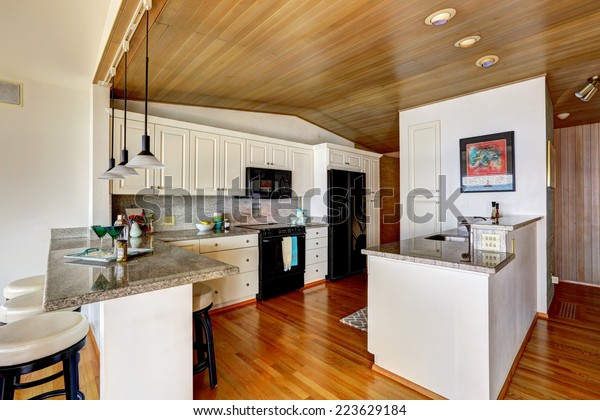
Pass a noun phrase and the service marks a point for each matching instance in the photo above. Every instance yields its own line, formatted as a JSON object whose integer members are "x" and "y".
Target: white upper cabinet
{"x": 343, "y": 159}
{"x": 301, "y": 162}
{"x": 267, "y": 155}
{"x": 205, "y": 163}
{"x": 233, "y": 170}
{"x": 172, "y": 147}
{"x": 135, "y": 130}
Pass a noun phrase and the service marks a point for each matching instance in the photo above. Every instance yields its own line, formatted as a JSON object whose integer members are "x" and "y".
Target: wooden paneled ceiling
{"x": 350, "y": 65}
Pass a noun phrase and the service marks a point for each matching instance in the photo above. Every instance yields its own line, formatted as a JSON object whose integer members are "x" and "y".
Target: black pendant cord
{"x": 147, "y": 60}
{"x": 125, "y": 108}
{"x": 112, "y": 118}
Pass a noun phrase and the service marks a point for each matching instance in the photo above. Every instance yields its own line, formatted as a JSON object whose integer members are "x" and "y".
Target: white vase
{"x": 135, "y": 231}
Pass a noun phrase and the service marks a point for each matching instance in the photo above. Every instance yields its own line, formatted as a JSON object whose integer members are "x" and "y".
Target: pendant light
{"x": 109, "y": 174}
{"x": 122, "y": 168}
{"x": 145, "y": 159}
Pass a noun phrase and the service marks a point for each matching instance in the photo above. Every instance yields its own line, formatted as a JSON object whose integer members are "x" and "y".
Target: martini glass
{"x": 100, "y": 232}
{"x": 114, "y": 232}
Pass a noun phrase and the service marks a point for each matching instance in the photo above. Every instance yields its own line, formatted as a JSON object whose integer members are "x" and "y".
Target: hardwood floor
{"x": 294, "y": 347}
{"x": 562, "y": 358}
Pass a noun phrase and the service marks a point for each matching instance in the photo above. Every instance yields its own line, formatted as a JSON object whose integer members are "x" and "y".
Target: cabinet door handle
{"x": 316, "y": 233}
{"x": 247, "y": 241}
{"x": 316, "y": 243}
{"x": 247, "y": 284}
{"x": 216, "y": 292}
{"x": 316, "y": 256}
{"x": 317, "y": 270}
{"x": 247, "y": 259}
{"x": 216, "y": 244}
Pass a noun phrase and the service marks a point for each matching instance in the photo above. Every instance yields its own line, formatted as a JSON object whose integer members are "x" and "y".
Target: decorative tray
{"x": 96, "y": 254}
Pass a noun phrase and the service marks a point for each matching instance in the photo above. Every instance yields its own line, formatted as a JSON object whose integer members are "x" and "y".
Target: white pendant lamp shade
{"x": 110, "y": 173}
{"x": 122, "y": 168}
{"x": 145, "y": 159}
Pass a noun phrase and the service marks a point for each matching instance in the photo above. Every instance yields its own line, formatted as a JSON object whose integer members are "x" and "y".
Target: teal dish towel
{"x": 294, "y": 251}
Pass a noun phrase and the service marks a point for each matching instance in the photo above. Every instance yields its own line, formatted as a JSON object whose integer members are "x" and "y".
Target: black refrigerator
{"x": 347, "y": 222}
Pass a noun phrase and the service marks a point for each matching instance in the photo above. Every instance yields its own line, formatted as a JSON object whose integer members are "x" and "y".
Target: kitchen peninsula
{"x": 144, "y": 331}
{"x": 449, "y": 319}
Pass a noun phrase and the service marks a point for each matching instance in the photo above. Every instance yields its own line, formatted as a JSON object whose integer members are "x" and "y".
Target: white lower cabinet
{"x": 241, "y": 251}
{"x": 316, "y": 254}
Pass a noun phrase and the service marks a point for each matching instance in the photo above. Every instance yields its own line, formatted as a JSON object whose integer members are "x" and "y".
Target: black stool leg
{"x": 210, "y": 350}
{"x": 71, "y": 374}
{"x": 7, "y": 388}
{"x": 199, "y": 339}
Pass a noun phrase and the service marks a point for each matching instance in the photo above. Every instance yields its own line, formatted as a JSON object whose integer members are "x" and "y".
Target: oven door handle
{"x": 280, "y": 238}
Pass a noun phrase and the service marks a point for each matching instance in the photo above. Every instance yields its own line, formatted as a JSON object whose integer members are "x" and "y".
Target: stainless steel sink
{"x": 444, "y": 237}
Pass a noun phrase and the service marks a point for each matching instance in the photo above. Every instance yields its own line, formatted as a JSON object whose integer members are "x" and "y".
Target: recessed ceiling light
{"x": 467, "y": 42}
{"x": 563, "y": 116}
{"x": 487, "y": 61}
{"x": 440, "y": 17}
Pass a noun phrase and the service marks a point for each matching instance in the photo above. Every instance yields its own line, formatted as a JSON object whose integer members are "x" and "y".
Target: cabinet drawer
{"x": 316, "y": 243}
{"x": 314, "y": 256}
{"x": 234, "y": 287}
{"x": 315, "y": 272}
{"x": 244, "y": 258}
{"x": 229, "y": 242}
{"x": 191, "y": 245}
{"x": 315, "y": 233}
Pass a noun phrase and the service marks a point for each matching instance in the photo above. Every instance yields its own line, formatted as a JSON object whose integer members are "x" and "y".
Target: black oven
{"x": 273, "y": 279}
{"x": 268, "y": 183}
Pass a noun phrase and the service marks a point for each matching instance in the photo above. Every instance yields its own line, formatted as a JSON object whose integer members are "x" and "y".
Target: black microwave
{"x": 268, "y": 183}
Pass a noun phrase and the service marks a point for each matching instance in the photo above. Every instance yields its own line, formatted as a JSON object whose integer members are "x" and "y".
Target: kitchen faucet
{"x": 466, "y": 256}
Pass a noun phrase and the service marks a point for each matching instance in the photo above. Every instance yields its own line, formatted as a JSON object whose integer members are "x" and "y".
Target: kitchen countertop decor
{"x": 76, "y": 282}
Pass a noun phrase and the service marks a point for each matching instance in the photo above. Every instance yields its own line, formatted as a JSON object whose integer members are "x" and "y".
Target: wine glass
{"x": 100, "y": 232}
{"x": 114, "y": 232}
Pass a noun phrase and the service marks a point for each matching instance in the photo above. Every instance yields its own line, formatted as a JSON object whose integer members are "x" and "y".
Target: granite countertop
{"x": 189, "y": 234}
{"x": 511, "y": 222}
{"x": 446, "y": 254}
{"x": 75, "y": 282}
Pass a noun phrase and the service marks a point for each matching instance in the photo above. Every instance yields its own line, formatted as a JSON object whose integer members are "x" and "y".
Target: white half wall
{"x": 519, "y": 107}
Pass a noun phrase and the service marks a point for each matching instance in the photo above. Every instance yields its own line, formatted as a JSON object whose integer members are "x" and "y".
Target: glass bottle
{"x": 493, "y": 216}
{"x": 121, "y": 221}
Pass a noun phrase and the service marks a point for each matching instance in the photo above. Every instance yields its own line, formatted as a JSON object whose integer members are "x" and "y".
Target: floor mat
{"x": 357, "y": 319}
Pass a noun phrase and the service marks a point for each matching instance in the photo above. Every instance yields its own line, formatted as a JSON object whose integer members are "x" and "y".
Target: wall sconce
{"x": 586, "y": 93}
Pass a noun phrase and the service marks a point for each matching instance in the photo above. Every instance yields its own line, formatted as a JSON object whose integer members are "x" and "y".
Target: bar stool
{"x": 25, "y": 285}
{"x": 24, "y": 306}
{"x": 34, "y": 343}
{"x": 204, "y": 345}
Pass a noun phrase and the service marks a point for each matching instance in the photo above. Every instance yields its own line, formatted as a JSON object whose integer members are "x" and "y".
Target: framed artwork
{"x": 487, "y": 163}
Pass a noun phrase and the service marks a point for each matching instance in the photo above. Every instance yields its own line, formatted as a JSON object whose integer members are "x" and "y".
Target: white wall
{"x": 519, "y": 107}
{"x": 43, "y": 175}
{"x": 285, "y": 127}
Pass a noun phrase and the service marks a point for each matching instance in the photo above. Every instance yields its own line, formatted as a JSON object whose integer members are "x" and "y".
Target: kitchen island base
{"x": 455, "y": 332}
{"x": 146, "y": 346}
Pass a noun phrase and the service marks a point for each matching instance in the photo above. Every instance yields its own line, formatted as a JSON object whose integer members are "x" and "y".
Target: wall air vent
{"x": 11, "y": 93}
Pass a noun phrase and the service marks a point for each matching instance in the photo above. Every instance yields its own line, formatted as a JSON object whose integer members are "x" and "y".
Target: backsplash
{"x": 190, "y": 210}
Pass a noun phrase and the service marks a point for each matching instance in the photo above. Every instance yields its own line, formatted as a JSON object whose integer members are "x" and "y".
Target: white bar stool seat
{"x": 24, "y": 285}
{"x": 203, "y": 296}
{"x": 40, "y": 341}
{"x": 24, "y": 306}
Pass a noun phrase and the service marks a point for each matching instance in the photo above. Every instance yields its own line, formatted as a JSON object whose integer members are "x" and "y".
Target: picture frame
{"x": 487, "y": 163}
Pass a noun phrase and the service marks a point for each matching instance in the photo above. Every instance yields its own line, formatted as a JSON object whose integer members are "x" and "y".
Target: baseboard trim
{"x": 513, "y": 368}
{"x": 94, "y": 342}
{"x": 233, "y": 306}
{"x": 397, "y": 378}
{"x": 314, "y": 284}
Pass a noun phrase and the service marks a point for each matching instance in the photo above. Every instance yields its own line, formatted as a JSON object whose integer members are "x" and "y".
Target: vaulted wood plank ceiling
{"x": 349, "y": 66}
